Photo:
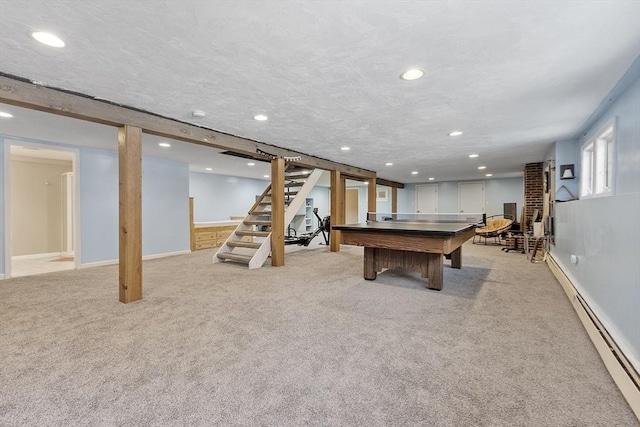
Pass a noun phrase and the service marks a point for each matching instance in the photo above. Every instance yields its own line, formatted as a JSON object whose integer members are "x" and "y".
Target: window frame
{"x": 598, "y": 162}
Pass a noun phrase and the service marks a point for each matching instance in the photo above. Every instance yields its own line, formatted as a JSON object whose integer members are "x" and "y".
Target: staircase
{"x": 251, "y": 242}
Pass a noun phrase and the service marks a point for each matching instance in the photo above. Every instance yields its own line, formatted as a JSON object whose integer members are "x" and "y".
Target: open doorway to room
{"x": 41, "y": 209}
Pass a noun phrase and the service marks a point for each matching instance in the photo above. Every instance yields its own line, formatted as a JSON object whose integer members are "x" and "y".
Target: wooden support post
{"x": 130, "y": 175}
{"x": 192, "y": 231}
{"x": 342, "y": 205}
{"x": 371, "y": 195}
{"x": 394, "y": 200}
{"x": 277, "y": 212}
{"x": 337, "y": 208}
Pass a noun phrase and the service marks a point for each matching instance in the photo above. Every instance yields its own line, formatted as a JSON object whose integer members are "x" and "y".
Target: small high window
{"x": 598, "y": 163}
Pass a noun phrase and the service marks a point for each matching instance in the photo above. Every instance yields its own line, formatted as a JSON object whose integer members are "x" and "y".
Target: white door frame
{"x": 8, "y": 141}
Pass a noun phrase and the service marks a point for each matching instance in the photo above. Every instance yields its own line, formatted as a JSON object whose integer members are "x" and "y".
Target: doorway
{"x": 427, "y": 198}
{"x": 351, "y": 206}
{"x": 471, "y": 197}
{"x": 41, "y": 210}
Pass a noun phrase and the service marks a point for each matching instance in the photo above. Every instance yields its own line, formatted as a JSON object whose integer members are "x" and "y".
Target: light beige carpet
{"x": 311, "y": 343}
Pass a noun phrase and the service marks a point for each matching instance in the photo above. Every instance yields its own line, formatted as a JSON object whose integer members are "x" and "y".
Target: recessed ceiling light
{"x": 266, "y": 176}
{"x": 164, "y": 144}
{"x": 198, "y": 114}
{"x": 305, "y": 172}
{"x": 482, "y": 167}
{"x": 431, "y": 178}
{"x": 208, "y": 169}
{"x": 388, "y": 164}
{"x": 414, "y": 173}
{"x": 345, "y": 148}
{"x": 366, "y": 183}
{"x": 473, "y": 155}
{"x": 251, "y": 164}
{"x": 489, "y": 174}
{"x": 455, "y": 133}
{"x": 48, "y": 39}
{"x": 260, "y": 117}
{"x": 412, "y": 74}
{"x": 5, "y": 115}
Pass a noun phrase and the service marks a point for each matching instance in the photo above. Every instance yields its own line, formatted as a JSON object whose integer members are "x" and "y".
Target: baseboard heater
{"x": 622, "y": 371}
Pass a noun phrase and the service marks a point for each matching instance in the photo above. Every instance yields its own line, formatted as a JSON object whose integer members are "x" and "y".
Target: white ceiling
{"x": 514, "y": 76}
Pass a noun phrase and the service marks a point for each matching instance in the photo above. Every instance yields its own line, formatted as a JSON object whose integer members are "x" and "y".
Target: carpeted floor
{"x": 311, "y": 343}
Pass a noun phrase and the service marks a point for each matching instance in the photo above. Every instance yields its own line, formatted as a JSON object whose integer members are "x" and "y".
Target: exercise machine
{"x": 324, "y": 227}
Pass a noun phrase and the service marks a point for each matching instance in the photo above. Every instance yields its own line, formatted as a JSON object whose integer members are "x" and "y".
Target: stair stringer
{"x": 232, "y": 237}
{"x": 300, "y": 198}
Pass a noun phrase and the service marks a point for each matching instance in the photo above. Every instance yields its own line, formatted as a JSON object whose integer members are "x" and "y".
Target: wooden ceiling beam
{"x": 386, "y": 182}
{"x": 379, "y": 181}
{"x": 24, "y": 93}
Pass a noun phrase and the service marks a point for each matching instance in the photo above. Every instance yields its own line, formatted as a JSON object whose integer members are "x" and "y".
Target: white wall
{"x": 497, "y": 192}
{"x": 567, "y": 153}
{"x": 165, "y": 205}
{"x": 604, "y": 232}
{"x": 218, "y": 197}
{"x": 98, "y": 179}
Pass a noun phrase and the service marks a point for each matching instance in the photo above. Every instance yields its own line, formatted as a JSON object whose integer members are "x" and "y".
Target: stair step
{"x": 295, "y": 177}
{"x": 249, "y": 245}
{"x": 252, "y": 233}
{"x": 256, "y": 222}
{"x": 235, "y": 257}
{"x": 286, "y": 193}
{"x": 268, "y": 202}
{"x": 260, "y": 212}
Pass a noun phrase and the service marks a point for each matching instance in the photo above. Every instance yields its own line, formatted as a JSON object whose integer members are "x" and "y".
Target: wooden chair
{"x": 495, "y": 227}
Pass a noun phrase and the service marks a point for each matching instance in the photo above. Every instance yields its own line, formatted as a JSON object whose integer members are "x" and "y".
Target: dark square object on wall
{"x": 567, "y": 172}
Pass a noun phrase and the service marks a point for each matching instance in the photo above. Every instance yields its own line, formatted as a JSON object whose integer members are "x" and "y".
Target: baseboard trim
{"x": 36, "y": 256}
{"x": 99, "y": 263}
{"x": 144, "y": 258}
{"x": 614, "y": 360}
{"x": 166, "y": 254}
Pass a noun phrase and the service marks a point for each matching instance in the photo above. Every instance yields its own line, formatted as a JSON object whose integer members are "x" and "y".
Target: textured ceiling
{"x": 513, "y": 76}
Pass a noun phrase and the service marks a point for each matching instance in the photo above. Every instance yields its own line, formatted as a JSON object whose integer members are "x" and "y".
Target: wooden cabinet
{"x": 211, "y": 235}
{"x": 206, "y": 235}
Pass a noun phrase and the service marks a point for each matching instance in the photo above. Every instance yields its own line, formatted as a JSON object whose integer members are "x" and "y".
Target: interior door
{"x": 351, "y": 206}
{"x": 427, "y": 198}
{"x": 471, "y": 197}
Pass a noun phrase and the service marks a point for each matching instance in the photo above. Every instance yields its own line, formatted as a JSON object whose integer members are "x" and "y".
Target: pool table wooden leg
{"x": 434, "y": 271}
{"x": 456, "y": 258}
{"x": 370, "y": 272}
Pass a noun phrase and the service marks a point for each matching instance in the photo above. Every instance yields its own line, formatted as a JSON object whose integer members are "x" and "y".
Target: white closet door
{"x": 471, "y": 197}
{"x": 427, "y": 198}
